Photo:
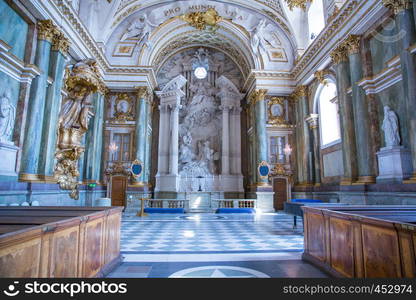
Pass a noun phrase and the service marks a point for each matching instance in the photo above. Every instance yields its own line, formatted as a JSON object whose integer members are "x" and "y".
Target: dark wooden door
{"x": 280, "y": 192}
{"x": 118, "y": 190}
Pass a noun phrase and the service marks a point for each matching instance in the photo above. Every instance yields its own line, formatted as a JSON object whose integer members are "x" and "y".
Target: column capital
{"x": 312, "y": 120}
{"x": 302, "y": 4}
{"x": 340, "y": 54}
{"x": 142, "y": 92}
{"x": 352, "y": 44}
{"x": 320, "y": 75}
{"x": 397, "y": 6}
{"x": 60, "y": 42}
{"x": 46, "y": 30}
{"x": 299, "y": 92}
{"x": 258, "y": 95}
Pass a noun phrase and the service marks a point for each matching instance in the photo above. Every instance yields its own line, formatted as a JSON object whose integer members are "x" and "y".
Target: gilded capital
{"x": 297, "y": 3}
{"x": 320, "y": 75}
{"x": 398, "y": 6}
{"x": 46, "y": 30}
{"x": 352, "y": 44}
{"x": 60, "y": 42}
{"x": 142, "y": 92}
{"x": 300, "y": 91}
{"x": 258, "y": 95}
{"x": 340, "y": 54}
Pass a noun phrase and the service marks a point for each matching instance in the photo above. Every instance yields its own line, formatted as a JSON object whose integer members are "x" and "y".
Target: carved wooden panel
{"x": 64, "y": 256}
{"x": 21, "y": 260}
{"x": 341, "y": 246}
{"x": 112, "y": 243}
{"x": 380, "y": 245}
{"x": 92, "y": 247}
{"x": 316, "y": 236}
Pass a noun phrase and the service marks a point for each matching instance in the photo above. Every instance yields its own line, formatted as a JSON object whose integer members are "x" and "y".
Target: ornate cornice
{"x": 46, "y": 30}
{"x": 398, "y": 6}
{"x": 313, "y": 121}
{"x": 352, "y": 44}
{"x": 258, "y": 95}
{"x": 340, "y": 54}
{"x": 60, "y": 42}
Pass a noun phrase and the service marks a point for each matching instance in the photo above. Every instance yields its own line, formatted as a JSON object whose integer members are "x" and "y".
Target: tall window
{"x": 316, "y": 19}
{"x": 122, "y": 140}
{"x": 328, "y": 115}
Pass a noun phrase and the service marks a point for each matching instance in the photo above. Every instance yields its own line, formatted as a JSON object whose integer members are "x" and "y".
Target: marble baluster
{"x": 33, "y": 131}
{"x": 349, "y": 152}
{"x": 365, "y": 160}
{"x": 225, "y": 140}
{"x": 60, "y": 46}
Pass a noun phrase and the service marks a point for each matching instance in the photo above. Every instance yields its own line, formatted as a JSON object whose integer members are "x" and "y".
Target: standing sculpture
{"x": 391, "y": 128}
{"x": 7, "y": 117}
{"x": 83, "y": 80}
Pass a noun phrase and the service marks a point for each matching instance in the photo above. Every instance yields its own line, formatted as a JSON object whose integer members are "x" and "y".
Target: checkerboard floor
{"x": 210, "y": 233}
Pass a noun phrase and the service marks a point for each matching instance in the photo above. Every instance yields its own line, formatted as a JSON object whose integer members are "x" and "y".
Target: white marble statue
{"x": 185, "y": 152}
{"x": 391, "y": 127}
{"x": 140, "y": 30}
{"x": 261, "y": 37}
{"x": 7, "y": 117}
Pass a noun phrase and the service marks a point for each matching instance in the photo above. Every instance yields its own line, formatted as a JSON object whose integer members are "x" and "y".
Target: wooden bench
{"x": 59, "y": 242}
{"x": 361, "y": 241}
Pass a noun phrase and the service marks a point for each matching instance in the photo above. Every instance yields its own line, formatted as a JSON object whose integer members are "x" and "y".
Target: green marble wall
{"x": 13, "y": 30}
{"x": 383, "y": 46}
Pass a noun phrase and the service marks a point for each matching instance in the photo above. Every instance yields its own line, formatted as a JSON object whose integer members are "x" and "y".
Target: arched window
{"x": 316, "y": 19}
{"x": 328, "y": 115}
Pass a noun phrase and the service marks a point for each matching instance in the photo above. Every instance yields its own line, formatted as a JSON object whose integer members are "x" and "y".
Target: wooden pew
{"x": 59, "y": 242}
{"x": 365, "y": 241}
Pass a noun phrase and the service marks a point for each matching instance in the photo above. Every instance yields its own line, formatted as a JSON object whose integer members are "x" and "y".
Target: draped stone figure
{"x": 140, "y": 30}
{"x": 391, "y": 128}
{"x": 7, "y": 117}
{"x": 261, "y": 36}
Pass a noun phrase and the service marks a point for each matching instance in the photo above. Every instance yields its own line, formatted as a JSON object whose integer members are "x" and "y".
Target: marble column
{"x": 94, "y": 141}
{"x": 405, "y": 24}
{"x": 167, "y": 178}
{"x": 149, "y": 133}
{"x": 33, "y": 130}
{"x": 141, "y": 129}
{"x": 365, "y": 159}
{"x": 225, "y": 159}
{"x": 60, "y": 47}
{"x": 349, "y": 152}
{"x": 313, "y": 121}
{"x": 258, "y": 100}
{"x": 235, "y": 146}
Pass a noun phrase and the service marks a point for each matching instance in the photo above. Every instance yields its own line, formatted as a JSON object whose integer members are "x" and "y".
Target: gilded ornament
{"x": 352, "y": 44}
{"x": 142, "y": 92}
{"x": 397, "y": 6}
{"x": 207, "y": 20}
{"x": 276, "y": 111}
{"x": 340, "y": 54}
{"x": 298, "y": 3}
{"x": 46, "y": 30}
{"x": 60, "y": 42}
{"x": 258, "y": 95}
{"x": 320, "y": 75}
{"x": 122, "y": 108}
{"x": 300, "y": 91}
{"x": 82, "y": 80}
